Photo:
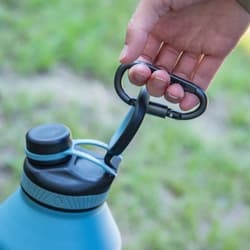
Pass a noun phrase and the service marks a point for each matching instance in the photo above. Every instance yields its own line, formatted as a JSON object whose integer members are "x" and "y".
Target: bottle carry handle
{"x": 74, "y": 151}
{"x": 128, "y": 128}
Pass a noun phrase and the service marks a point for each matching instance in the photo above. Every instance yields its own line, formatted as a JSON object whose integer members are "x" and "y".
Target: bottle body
{"x": 61, "y": 202}
{"x": 25, "y": 224}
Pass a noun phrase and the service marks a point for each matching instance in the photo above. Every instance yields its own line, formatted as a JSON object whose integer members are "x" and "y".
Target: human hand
{"x": 189, "y": 38}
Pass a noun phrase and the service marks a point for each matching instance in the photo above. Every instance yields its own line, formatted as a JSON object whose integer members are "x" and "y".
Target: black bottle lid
{"x": 57, "y": 179}
{"x": 48, "y": 139}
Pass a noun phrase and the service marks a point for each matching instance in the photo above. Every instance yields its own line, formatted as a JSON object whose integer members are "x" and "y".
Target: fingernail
{"x": 173, "y": 97}
{"x": 159, "y": 81}
{"x": 123, "y": 53}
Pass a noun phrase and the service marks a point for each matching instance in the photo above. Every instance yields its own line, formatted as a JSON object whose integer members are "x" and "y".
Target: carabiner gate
{"x": 158, "y": 109}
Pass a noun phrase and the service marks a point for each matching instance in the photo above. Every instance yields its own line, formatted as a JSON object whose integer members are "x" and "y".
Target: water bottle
{"x": 61, "y": 201}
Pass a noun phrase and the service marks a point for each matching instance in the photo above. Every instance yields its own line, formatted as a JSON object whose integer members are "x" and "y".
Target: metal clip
{"x": 158, "y": 109}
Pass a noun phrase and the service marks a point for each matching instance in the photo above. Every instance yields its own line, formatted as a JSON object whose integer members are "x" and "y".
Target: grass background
{"x": 187, "y": 185}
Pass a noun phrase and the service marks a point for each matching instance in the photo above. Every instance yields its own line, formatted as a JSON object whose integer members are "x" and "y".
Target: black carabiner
{"x": 158, "y": 109}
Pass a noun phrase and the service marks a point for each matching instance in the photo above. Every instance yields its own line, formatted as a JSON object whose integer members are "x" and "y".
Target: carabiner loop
{"x": 158, "y": 109}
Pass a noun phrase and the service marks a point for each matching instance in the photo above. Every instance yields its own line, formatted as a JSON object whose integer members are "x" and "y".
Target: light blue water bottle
{"x": 61, "y": 203}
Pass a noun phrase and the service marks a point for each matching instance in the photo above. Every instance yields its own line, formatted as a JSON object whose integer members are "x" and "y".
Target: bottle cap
{"x": 61, "y": 174}
{"x": 48, "y": 139}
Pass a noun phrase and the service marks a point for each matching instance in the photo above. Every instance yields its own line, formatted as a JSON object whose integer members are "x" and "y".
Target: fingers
{"x": 140, "y": 74}
{"x": 203, "y": 76}
{"x": 140, "y": 26}
{"x": 199, "y": 69}
{"x": 135, "y": 43}
{"x": 174, "y": 93}
{"x": 168, "y": 57}
{"x": 158, "y": 82}
{"x": 184, "y": 68}
{"x": 151, "y": 49}
{"x": 206, "y": 70}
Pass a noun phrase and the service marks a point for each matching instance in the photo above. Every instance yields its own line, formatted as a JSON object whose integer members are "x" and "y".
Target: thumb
{"x": 140, "y": 25}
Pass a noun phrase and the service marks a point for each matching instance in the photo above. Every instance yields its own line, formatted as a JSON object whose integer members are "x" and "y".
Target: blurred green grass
{"x": 186, "y": 187}
{"x": 86, "y": 35}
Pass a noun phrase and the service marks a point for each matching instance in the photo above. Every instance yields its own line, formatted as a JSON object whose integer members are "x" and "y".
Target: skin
{"x": 190, "y": 38}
